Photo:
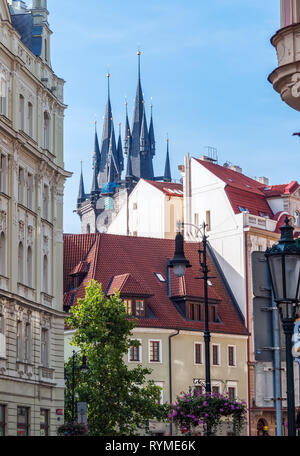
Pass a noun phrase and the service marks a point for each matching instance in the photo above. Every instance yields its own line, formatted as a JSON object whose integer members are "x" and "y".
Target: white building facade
{"x": 32, "y": 180}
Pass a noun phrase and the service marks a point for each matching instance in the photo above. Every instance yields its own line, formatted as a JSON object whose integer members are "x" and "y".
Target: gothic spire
{"x": 167, "y": 174}
{"x": 113, "y": 171}
{"x": 127, "y": 133}
{"x": 151, "y": 134}
{"x": 120, "y": 155}
{"x": 81, "y": 193}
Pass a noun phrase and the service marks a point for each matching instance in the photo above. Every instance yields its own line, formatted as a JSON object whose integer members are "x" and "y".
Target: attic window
{"x": 249, "y": 186}
{"x": 230, "y": 180}
{"x": 243, "y": 209}
{"x": 160, "y": 277}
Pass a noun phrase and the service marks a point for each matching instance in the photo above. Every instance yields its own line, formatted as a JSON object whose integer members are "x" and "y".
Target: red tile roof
{"x": 278, "y": 190}
{"x": 168, "y": 188}
{"x": 241, "y": 190}
{"x": 116, "y": 260}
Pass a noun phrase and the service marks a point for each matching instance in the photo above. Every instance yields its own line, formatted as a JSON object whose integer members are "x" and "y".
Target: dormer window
{"x": 196, "y": 312}
{"x": 135, "y": 307}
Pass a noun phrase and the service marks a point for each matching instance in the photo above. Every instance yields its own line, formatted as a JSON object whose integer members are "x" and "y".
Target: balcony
{"x": 286, "y": 78}
{"x": 259, "y": 222}
{"x": 46, "y": 375}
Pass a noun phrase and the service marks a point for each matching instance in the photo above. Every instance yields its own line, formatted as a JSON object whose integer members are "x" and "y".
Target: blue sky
{"x": 205, "y": 65}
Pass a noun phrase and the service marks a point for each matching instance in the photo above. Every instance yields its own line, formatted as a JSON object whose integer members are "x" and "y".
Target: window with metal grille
{"x": 154, "y": 351}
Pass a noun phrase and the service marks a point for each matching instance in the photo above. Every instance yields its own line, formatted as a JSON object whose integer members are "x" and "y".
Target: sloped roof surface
{"x": 117, "y": 260}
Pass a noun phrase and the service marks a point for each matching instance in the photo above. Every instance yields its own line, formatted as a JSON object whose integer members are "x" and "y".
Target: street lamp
{"x": 180, "y": 263}
{"x": 83, "y": 369}
{"x": 283, "y": 261}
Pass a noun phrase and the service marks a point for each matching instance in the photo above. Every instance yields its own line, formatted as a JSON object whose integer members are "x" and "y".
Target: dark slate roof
{"x": 31, "y": 35}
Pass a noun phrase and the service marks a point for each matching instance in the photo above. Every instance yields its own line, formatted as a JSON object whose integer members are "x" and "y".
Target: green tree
{"x": 120, "y": 400}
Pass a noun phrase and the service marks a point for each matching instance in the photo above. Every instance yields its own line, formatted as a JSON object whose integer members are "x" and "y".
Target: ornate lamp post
{"x": 284, "y": 266}
{"x": 84, "y": 369}
{"x": 180, "y": 263}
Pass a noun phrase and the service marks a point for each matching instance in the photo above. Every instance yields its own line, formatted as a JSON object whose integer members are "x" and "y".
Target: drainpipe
{"x": 170, "y": 372}
{"x": 277, "y": 369}
{"x": 248, "y": 341}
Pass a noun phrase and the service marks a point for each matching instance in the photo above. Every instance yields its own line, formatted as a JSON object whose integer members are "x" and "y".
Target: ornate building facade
{"x": 32, "y": 180}
{"x": 110, "y": 188}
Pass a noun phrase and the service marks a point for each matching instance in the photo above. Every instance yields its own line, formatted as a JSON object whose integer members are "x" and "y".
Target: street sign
{"x": 296, "y": 341}
{"x": 82, "y": 413}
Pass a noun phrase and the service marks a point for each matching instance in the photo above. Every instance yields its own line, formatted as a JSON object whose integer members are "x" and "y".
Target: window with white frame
{"x": 216, "y": 388}
{"x": 155, "y": 355}
{"x": 216, "y": 359}
{"x": 232, "y": 390}
{"x": 21, "y": 263}
{"x": 45, "y": 274}
{"x": 231, "y": 355}
{"x": 2, "y": 337}
{"x": 45, "y": 347}
{"x": 135, "y": 352}
{"x": 30, "y": 118}
{"x": 198, "y": 353}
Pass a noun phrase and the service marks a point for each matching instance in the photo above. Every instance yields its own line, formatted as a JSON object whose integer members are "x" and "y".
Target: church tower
{"x": 286, "y": 77}
{"x": 110, "y": 188}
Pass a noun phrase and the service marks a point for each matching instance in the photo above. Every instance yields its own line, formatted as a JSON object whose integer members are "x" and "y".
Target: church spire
{"x": 81, "y": 193}
{"x": 127, "y": 133}
{"x": 151, "y": 134}
{"x": 120, "y": 155}
{"x": 167, "y": 174}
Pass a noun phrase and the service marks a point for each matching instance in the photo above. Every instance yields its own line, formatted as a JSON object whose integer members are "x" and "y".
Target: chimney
{"x": 263, "y": 180}
{"x": 236, "y": 168}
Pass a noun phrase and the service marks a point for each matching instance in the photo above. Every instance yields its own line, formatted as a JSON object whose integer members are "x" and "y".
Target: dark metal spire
{"x": 151, "y": 134}
{"x": 120, "y": 156}
{"x": 81, "y": 193}
{"x": 167, "y": 174}
{"x": 127, "y": 133}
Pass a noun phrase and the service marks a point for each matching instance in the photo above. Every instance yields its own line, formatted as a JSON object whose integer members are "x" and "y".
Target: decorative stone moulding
{"x": 286, "y": 78}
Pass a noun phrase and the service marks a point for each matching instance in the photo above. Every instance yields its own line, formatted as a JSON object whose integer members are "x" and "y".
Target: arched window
{"x": 30, "y": 119}
{"x": 45, "y": 274}
{"x": 296, "y": 218}
{"x": 21, "y": 112}
{"x": 21, "y": 263}
{"x": 46, "y": 130}
{"x": 29, "y": 267}
{"x": 2, "y": 254}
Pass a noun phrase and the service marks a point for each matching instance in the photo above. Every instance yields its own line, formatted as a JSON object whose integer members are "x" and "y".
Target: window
{"x": 231, "y": 355}
{"x": 243, "y": 209}
{"x": 198, "y": 353}
{"x": 195, "y": 311}
{"x": 2, "y": 420}
{"x": 139, "y": 309}
{"x": 135, "y": 353}
{"x": 21, "y": 112}
{"x": 199, "y": 390}
{"x": 128, "y": 306}
{"x": 160, "y": 277}
{"x": 21, "y": 263}
{"x": 88, "y": 228}
{"x": 296, "y": 218}
{"x": 215, "y": 389}
{"x": 45, "y": 347}
{"x": 2, "y": 338}
{"x": 46, "y": 202}
{"x": 232, "y": 393}
{"x": 29, "y": 191}
{"x": 19, "y": 341}
{"x": 213, "y": 314}
{"x": 21, "y": 184}
{"x": 208, "y": 220}
{"x": 154, "y": 351}
{"x": 135, "y": 307}
{"x": 23, "y": 421}
{"x": 2, "y": 254}
{"x": 30, "y": 119}
{"x": 46, "y": 50}
{"x": 45, "y": 274}
{"x": 44, "y": 423}
{"x": 46, "y": 139}
{"x": 27, "y": 343}
{"x": 216, "y": 355}
{"x": 3, "y": 97}
{"x": 161, "y": 386}
{"x": 29, "y": 267}
{"x": 3, "y": 173}
{"x": 134, "y": 206}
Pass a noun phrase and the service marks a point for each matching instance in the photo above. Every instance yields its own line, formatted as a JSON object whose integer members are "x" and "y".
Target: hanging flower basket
{"x": 71, "y": 430}
{"x": 196, "y": 413}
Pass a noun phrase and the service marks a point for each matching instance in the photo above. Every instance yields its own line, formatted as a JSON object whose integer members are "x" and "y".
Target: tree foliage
{"x": 120, "y": 400}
